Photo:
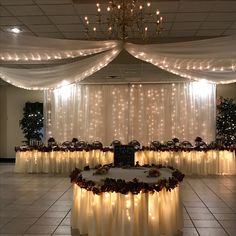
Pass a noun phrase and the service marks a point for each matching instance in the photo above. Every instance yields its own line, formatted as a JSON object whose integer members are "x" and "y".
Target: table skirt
{"x": 144, "y": 214}
{"x": 193, "y": 162}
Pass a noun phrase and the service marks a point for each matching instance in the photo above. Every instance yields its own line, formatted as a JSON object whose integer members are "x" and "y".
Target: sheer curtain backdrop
{"x": 145, "y": 112}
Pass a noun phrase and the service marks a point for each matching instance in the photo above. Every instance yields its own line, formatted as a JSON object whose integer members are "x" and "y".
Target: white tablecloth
{"x": 193, "y": 162}
{"x": 116, "y": 214}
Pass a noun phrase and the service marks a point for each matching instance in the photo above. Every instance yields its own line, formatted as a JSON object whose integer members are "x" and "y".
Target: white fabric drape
{"x": 19, "y": 49}
{"x": 144, "y": 112}
{"x": 57, "y": 76}
{"x": 210, "y": 59}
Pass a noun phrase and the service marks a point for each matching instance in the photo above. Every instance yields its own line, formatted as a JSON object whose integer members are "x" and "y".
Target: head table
{"x": 202, "y": 162}
{"x": 125, "y": 202}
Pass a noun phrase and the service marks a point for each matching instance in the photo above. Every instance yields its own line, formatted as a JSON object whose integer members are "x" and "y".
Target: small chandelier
{"x": 122, "y": 19}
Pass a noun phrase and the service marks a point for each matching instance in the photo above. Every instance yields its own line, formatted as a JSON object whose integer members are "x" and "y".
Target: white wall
{"x": 226, "y": 91}
{"x": 11, "y": 106}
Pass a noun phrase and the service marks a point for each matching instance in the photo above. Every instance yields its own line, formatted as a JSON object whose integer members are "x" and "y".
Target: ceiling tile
{"x": 210, "y": 32}
{"x": 32, "y": 20}
{"x": 9, "y": 21}
{"x": 233, "y": 26}
{"x": 28, "y": 33}
{"x": 71, "y": 28}
{"x": 164, "y": 33}
{"x": 227, "y": 16}
{"x": 43, "y": 28}
{"x": 230, "y": 32}
{"x": 225, "y": 6}
{"x": 74, "y": 35}
{"x": 216, "y": 25}
{"x": 196, "y": 6}
{"x": 182, "y": 33}
{"x": 166, "y": 26}
{"x": 56, "y": 10}
{"x": 65, "y": 19}
{"x": 25, "y": 10}
{"x": 53, "y": 1}
{"x": 16, "y": 2}
{"x": 50, "y": 34}
{"x": 167, "y": 6}
{"x": 168, "y": 17}
{"x": 4, "y": 12}
{"x": 186, "y": 25}
{"x": 87, "y": 9}
{"x": 191, "y": 16}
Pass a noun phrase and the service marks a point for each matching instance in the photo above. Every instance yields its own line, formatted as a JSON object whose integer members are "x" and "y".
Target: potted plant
{"x": 32, "y": 123}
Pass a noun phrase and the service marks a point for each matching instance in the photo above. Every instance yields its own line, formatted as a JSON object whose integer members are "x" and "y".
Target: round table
{"x": 97, "y": 212}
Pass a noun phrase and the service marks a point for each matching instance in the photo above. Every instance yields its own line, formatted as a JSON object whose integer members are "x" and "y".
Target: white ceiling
{"x": 182, "y": 20}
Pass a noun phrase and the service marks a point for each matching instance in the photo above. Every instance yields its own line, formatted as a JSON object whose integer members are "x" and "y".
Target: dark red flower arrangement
{"x": 143, "y": 148}
{"x": 121, "y": 186}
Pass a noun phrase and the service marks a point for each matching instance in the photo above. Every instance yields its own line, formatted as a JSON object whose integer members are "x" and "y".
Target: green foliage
{"x": 32, "y": 121}
{"x": 226, "y": 121}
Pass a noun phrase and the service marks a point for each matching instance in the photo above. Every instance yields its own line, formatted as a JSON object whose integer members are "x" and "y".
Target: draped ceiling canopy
{"x": 210, "y": 59}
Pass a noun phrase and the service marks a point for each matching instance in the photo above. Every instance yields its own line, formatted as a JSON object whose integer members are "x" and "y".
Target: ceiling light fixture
{"x": 122, "y": 19}
{"x": 15, "y": 30}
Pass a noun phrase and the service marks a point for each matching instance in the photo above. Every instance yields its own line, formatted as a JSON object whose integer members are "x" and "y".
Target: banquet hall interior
{"x": 141, "y": 91}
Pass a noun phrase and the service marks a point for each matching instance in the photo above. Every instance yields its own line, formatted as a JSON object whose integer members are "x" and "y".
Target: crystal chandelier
{"x": 122, "y": 19}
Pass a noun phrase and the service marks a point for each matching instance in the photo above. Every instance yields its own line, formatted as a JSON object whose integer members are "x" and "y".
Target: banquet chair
{"x": 135, "y": 144}
{"x": 155, "y": 144}
{"x": 81, "y": 144}
{"x": 186, "y": 144}
{"x": 97, "y": 144}
{"x": 170, "y": 144}
{"x": 66, "y": 144}
{"x": 115, "y": 142}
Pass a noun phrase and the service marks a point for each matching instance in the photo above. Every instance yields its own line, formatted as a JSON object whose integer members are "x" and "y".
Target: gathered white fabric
{"x": 211, "y": 59}
{"x": 63, "y": 162}
{"x": 116, "y": 214}
{"x": 57, "y": 76}
{"x": 212, "y": 162}
{"x": 19, "y": 49}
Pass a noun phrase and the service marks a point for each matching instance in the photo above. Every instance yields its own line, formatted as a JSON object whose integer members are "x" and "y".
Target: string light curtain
{"x": 144, "y": 112}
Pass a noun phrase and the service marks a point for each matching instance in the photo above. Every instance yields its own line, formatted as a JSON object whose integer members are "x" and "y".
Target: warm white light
{"x": 16, "y": 30}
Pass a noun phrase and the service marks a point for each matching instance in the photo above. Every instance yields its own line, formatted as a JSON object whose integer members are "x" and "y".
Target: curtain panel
{"x": 144, "y": 112}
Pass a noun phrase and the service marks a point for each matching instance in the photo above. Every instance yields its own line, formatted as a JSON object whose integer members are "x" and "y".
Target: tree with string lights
{"x": 226, "y": 121}
{"x": 32, "y": 122}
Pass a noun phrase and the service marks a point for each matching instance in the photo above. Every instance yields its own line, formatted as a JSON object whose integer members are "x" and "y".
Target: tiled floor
{"x": 40, "y": 204}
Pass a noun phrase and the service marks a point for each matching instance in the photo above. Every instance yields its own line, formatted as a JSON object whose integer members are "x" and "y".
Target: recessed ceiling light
{"x": 15, "y": 30}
